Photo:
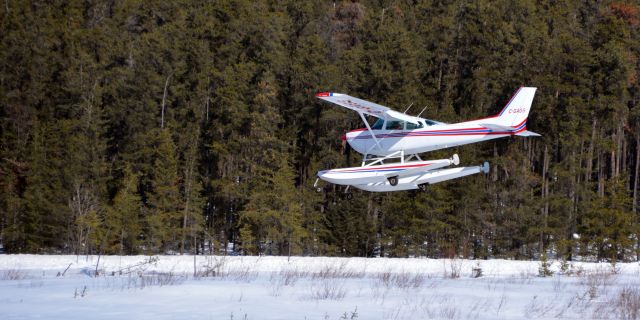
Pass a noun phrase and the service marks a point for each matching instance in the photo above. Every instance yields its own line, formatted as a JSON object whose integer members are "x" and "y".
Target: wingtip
{"x": 324, "y": 94}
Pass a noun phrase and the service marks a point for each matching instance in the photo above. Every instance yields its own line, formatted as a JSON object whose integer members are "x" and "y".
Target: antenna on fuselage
{"x": 409, "y": 107}
{"x": 423, "y": 109}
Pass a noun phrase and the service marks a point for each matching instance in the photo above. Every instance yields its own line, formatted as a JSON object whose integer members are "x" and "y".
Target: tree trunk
{"x": 635, "y": 176}
{"x": 207, "y": 100}
{"x": 164, "y": 98}
{"x": 184, "y": 225}
{"x": 590, "y": 152}
{"x": 600, "y": 167}
{"x": 494, "y": 172}
{"x": 122, "y": 241}
{"x": 623, "y": 153}
{"x": 545, "y": 194}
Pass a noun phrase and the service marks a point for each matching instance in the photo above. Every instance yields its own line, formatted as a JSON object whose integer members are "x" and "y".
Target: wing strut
{"x": 366, "y": 123}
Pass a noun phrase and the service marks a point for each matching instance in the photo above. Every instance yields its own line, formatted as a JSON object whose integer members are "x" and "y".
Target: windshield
{"x": 377, "y": 125}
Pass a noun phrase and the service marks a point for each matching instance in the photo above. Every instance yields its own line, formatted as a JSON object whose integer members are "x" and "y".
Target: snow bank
{"x": 234, "y": 287}
{"x": 266, "y": 264}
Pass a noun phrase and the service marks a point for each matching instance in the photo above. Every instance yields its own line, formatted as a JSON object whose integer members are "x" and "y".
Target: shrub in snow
{"x": 544, "y": 270}
{"x": 13, "y": 274}
{"x": 627, "y": 303}
{"x": 476, "y": 271}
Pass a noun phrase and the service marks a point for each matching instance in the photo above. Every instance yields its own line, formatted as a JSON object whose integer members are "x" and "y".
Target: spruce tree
{"x": 163, "y": 216}
{"x": 123, "y": 217}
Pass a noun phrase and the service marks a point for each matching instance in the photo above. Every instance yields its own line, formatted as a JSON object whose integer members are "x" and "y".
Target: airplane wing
{"x": 366, "y": 107}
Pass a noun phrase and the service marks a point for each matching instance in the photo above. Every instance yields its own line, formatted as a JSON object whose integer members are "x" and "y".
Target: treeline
{"x": 142, "y": 127}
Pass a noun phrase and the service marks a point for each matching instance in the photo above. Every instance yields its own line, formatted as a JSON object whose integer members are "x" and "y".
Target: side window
{"x": 377, "y": 125}
{"x": 412, "y": 126}
{"x": 395, "y": 125}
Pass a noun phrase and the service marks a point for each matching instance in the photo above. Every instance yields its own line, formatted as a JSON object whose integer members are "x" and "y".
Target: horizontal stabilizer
{"x": 527, "y": 133}
{"x": 496, "y": 127}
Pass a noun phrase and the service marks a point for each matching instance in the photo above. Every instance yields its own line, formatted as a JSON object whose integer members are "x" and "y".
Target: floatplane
{"x": 391, "y": 146}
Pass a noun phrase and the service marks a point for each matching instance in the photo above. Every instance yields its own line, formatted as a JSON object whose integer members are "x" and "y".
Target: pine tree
{"x": 163, "y": 216}
{"x": 123, "y": 217}
{"x": 193, "y": 202}
{"x": 271, "y": 221}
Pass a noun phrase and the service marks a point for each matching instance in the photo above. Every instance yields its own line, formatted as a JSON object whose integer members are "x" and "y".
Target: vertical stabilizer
{"x": 516, "y": 111}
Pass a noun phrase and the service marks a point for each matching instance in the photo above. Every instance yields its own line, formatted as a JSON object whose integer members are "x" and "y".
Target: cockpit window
{"x": 412, "y": 126}
{"x": 378, "y": 125}
{"x": 395, "y": 125}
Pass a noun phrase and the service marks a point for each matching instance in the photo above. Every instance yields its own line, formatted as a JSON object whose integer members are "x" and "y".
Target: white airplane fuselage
{"x": 429, "y": 138}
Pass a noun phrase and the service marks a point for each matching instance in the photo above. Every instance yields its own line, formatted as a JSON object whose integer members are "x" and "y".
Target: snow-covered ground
{"x": 164, "y": 287}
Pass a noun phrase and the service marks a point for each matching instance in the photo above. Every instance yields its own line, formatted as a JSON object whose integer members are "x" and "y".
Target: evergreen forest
{"x": 191, "y": 127}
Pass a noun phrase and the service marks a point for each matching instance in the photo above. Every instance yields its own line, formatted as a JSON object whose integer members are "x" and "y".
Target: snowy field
{"x": 165, "y": 287}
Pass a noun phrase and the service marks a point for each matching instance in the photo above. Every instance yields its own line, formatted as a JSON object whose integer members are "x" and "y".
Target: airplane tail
{"x": 516, "y": 112}
{"x": 513, "y": 117}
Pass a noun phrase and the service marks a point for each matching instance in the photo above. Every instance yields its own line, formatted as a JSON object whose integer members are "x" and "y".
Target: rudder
{"x": 516, "y": 111}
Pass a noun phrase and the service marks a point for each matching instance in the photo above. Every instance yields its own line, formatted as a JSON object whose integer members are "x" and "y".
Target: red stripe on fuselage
{"x": 443, "y": 134}
{"x": 519, "y": 124}
{"x": 480, "y": 128}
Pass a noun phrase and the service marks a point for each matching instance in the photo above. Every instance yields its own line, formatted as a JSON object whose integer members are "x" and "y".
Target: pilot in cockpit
{"x": 395, "y": 125}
